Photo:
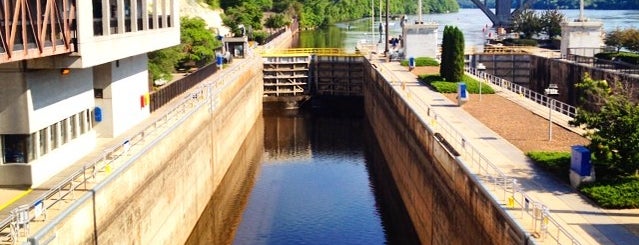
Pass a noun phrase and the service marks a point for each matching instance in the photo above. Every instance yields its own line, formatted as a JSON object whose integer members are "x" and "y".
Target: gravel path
{"x": 522, "y": 128}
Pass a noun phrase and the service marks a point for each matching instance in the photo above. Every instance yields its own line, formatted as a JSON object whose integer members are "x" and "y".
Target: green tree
{"x": 276, "y": 21}
{"x": 627, "y": 38}
{"x": 446, "y": 53}
{"x": 458, "y": 56}
{"x": 247, "y": 14}
{"x": 196, "y": 46}
{"x": 615, "y": 39}
{"x": 631, "y": 40}
{"x": 527, "y": 23}
{"x": 452, "y": 66}
{"x": 162, "y": 62}
{"x": 551, "y": 23}
{"x": 612, "y": 124}
{"x": 198, "y": 43}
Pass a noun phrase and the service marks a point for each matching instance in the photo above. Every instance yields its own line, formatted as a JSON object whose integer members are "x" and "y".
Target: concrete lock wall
{"x": 159, "y": 198}
{"x": 444, "y": 201}
{"x": 566, "y": 74}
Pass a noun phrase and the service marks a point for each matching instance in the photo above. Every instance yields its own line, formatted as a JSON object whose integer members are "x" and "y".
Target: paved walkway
{"x": 586, "y": 222}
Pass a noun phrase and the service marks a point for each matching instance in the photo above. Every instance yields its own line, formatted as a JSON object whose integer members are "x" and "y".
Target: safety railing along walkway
{"x": 543, "y": 226}
{"x": 110, "y": 163}
{"x": 307, "y": 51}
{"x": 538, "y": 98}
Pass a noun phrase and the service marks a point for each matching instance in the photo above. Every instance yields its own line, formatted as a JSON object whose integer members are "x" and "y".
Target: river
{"x": 313, "y": 176}
{"x": 318, "y": 177}
{"x": 472, "y": 22}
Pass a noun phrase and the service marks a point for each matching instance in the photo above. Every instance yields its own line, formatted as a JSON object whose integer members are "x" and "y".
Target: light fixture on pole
{"x": 552, "y": 90}
{"x": 481, "y": 68}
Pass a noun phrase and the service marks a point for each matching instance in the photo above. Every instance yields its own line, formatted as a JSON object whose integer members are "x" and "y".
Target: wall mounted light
{"x": 65, "y": 71}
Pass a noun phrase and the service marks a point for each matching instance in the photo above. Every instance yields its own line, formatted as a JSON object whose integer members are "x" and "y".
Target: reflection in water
{"x": 312, "y": 187}
{"x": 223, "y": 212}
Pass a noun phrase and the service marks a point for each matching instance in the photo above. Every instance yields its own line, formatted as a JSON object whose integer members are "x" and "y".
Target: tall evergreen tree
{"x": 445, "y": 65}
{"x": 457, "y": 68}
{"x": 452, "y": 65}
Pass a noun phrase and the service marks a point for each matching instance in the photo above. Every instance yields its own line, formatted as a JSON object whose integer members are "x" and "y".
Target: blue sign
{"x": 580, "y": 160}
{"x": 461, "y": 91}
{"x": 219, "y": 60}
{"x": 97, "y": 113}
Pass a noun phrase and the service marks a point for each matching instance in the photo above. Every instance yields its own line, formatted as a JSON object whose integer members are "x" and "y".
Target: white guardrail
{"x": 16, "y": 226}
{"x": 538, "y": 98}
{"x": 544, "y": 226}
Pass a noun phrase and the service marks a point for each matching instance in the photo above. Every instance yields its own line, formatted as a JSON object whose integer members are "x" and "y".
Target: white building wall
{"x": 420, "y": 40}
{"x": 581, "y": 38}
{"x": 55, "y": 97}
{"x": 124, "y": 82}
{"x": 95, "y": 50}
{"x": 13, "y": 100}
{"x": 34, "y": 99}
{"x": 130, "y": 82}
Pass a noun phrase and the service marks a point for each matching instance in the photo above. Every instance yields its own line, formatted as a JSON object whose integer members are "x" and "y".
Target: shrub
{"x": 260, "y": 36}
{"x": 621, "y": 193}
{"x": 472, "y": 85}
{"x": 422, "y": 61}
{"x": 631, "y": 58}
{"x": 557, "y": 163}
{"x": 520, "y": 42}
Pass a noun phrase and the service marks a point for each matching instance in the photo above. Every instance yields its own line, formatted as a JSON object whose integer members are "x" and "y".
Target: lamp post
{"x": 552, "y": 90}
{"x": 481, "y": 68}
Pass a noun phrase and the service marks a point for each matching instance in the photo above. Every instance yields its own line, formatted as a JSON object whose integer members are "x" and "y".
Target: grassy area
{"x": 621, "y": 193}
{"x": 618, "y": 193}
{"x": 422, "y": 61}
{"x": 557, "y": 163}
{"x": 472, "y": 85}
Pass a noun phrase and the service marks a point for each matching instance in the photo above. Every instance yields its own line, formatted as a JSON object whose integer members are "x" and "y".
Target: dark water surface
{"x": 318, "y": 178}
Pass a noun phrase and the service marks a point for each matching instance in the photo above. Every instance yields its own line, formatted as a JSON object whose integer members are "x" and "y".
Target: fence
{"x": 111, "y": 162}
{"x": 543, "y": 223}
{"x": 538, "y": 98}
{"x": 172, "y": 90}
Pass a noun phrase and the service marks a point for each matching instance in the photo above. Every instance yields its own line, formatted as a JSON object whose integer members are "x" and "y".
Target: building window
{"x": 73, "y": 123}
{"x": 53, "y": 136}
{"x": 97, "y": 18}
{"x": 15, "y": 148}
{"x": 42, "y": 142}
{"x": 64, "y": 131}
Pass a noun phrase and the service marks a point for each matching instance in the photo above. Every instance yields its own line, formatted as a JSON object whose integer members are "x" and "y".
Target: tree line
{"x": 316, "y": 13}
{"x": 565, "y": 4}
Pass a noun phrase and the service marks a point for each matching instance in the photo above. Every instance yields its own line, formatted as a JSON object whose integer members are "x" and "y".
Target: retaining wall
{"x": 158, "y": 199}
{"x": 446, "y": 204}
{"x": 566, "y": 74}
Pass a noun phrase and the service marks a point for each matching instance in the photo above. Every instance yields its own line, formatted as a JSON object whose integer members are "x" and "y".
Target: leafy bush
{"x": 614, "y": 194}
{"x": 557, "y": 163}
{"x": 628, "y": 57}
{"x": 606, "y": 55}
{"x": 472, "y": 85}
{"x": 259, "y": 36}
{"x": 422, "y": 61}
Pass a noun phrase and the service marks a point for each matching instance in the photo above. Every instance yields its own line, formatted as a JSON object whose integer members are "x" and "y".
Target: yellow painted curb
{"x": 14, "y": 199}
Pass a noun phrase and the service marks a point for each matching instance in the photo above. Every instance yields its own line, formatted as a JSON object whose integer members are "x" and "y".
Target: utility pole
{"x": 386, "y": 39}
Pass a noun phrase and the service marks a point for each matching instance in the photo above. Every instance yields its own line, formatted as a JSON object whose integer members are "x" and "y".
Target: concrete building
{"x": 73, "y": 71}
{"x": 582, "y": 36}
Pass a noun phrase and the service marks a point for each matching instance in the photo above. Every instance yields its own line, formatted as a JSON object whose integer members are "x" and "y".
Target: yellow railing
{"x": 507, "y": 50}
{"x": 307, "y": 51}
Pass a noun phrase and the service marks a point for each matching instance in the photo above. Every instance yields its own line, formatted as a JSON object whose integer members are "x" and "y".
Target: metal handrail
{"x": 538, "y": 98}
{"x": 499, "y": 178}
{"x": 307, "y": 51}
{"x": 88, "y": 172}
